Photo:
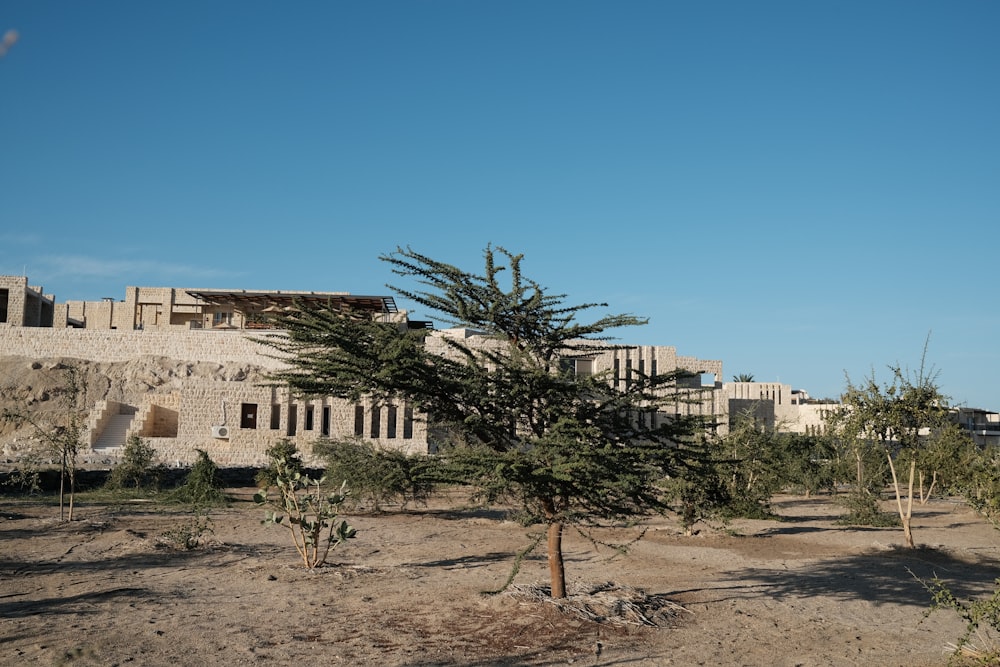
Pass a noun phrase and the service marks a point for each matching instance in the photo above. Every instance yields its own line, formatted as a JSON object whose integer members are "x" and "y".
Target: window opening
{"x": 293, "y": 419}
{"x": 359, "y": 420}
{"x": 248, "y": 415}
{"x": 390, "y": 422}
{"x": 407, "y": 423}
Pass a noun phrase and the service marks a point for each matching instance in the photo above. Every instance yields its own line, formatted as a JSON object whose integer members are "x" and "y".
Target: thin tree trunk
{"x": 557, "y": 572}
{"x": 72, "y": 489}
{"x": 62, "y": 486}
{"x": 907, "y": 514}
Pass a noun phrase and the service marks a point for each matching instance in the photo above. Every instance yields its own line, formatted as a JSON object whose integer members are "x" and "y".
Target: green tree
{"x": 743, "y": 377}
{"x": 895, "y": 421}
{"x": 515, "y": 416}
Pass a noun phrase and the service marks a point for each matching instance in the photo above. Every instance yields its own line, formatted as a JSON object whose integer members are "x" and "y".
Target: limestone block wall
{"x": 257, "y": 417}
{"x": 158, "y": 415}
{"x": 117, "y": 345}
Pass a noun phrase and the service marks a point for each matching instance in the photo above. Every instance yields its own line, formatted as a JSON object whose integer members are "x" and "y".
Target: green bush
{"x": 283, "y": 450}
{"x": 377, "y": 476}
{"x": 863, "y": 510}
{"x": 136, "y": 469}
{"x": 203, "y": 486}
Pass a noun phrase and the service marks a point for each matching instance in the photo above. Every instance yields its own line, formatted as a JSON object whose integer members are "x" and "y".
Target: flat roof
{"x": 260, "y": 300}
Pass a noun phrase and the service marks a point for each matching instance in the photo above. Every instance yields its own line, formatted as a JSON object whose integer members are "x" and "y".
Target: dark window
{"x": 390, "y": 422}
{"x": 407, "y": 423}
{"x": 376, "y": 421}
{"x": 248, "y": 415}
{"x": 310, "y": 411}
{"x": 4, "y": 298}
{"x": 359, "y": 420}
{"x": 293, "y": 419}
{"x": 325, "y": 425}
{"x": 618, "y": 373}
{"x": 275, "y": 417}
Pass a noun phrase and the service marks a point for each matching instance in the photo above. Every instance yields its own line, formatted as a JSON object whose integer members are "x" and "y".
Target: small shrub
{"x": 136, "y": 469}
{"x": 863, "y": 510}
{"x": 311, "y": 511}
{"x": 189, "y": 534}
{"x": 27, "y": 477}
{"x": 284, "y": 450}
{"x": 203, "y": 486}
{"x": 982, "y": 620}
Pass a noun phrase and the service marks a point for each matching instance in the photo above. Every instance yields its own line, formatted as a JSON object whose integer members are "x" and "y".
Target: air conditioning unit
{"x": 220, "y": 432}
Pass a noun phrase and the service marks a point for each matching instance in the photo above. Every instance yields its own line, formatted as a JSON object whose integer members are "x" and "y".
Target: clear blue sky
{"x": 800, "y": 189}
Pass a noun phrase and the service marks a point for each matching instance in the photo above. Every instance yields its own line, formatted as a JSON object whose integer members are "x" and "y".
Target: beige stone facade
{"x": 235, "y": 418}
{"x": 24, "y": 305}
{"x": 777, "y": 406}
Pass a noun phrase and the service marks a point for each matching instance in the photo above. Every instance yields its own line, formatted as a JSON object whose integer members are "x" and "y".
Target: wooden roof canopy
{"x": 255, "y": 302}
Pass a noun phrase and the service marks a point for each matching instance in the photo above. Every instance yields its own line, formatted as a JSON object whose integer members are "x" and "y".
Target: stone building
{"x": 24, "y": 305}
{"x": 777, "y": 406}
{"x": 236, "y": 416}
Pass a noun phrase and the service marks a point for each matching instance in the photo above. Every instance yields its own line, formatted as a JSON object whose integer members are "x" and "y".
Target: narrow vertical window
{"x": 275, "y": 417}
{"x": 359, "y": 420}
{"x": 310, "y": 412}
{"x": 376, "y": 421}
{"x": 407, "y": 423}
{"x": 390, "y": 422}
{"x": 325, "y": 426}
{"x": 293, "y": 419}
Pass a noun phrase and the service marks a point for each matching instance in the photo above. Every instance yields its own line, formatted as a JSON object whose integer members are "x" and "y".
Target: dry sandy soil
{"x": 106, "y": 590}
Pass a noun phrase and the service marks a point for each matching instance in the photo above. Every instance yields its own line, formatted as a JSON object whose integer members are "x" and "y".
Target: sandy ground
{"x": 106, "y": 590}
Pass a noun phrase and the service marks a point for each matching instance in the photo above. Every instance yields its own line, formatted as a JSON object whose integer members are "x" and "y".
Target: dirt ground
{"x": 107, "y": 589}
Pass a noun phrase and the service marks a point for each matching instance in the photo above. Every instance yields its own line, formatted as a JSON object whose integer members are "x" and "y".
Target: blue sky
{"x": 803, "y": 190}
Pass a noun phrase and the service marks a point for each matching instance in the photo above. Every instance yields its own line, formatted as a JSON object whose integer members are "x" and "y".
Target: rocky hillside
{"x": 42, "y": 388}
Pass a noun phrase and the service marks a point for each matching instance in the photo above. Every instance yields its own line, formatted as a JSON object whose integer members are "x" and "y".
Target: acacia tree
{"x": 514, "y": 415}
{"x": 896, "y": 419}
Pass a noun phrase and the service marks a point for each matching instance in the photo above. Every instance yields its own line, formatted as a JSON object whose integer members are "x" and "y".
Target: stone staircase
{"x": 114, "y": 432}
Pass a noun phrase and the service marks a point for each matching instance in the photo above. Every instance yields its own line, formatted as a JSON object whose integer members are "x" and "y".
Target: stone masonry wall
{"x": 117, "y": 345}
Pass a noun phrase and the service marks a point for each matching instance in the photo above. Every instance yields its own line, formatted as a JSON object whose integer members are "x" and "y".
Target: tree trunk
{"x": 62, "y": 487}
{"x": 907, "y": 514}
{"x": 557, "y": 572}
